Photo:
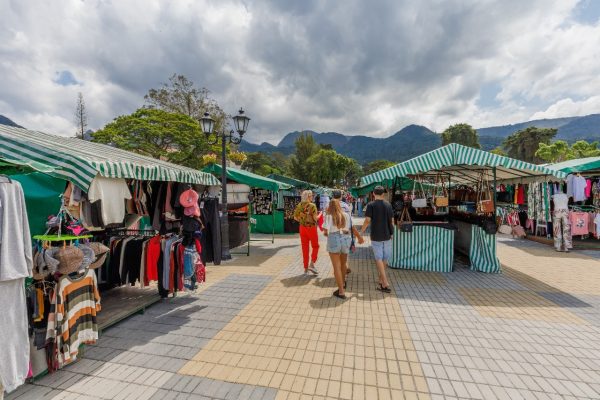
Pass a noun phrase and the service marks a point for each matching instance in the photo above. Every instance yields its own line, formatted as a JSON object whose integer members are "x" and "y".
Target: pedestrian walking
{"x": 380, "y": 216}
{"x": 307, "y": 216}
{"x": 354, "y": 233}
{"x": 337, "y": 229}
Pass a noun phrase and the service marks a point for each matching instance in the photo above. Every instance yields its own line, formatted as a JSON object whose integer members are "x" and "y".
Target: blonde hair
{"x": 306, "y": 194}
{"x": 337, "y": 214}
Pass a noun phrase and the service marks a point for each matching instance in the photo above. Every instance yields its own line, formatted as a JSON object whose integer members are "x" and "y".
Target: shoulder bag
{"x": 419, "y": 202}
{"x": 484, "y": 206}
{"x": 442, "y": 200}
{"x": 406, "y": 224}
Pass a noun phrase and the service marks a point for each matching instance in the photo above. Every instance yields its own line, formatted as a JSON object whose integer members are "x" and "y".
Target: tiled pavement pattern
{"x": 259, "y": 330}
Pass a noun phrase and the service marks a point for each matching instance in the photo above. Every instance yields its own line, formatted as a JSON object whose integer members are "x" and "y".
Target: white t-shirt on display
{"x": 579, "y": 184}
{"x": 113, "y": 192}
{"x": 561, "y": 201}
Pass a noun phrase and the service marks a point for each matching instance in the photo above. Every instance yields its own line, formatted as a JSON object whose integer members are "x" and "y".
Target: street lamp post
{"x": 241, "y": 124}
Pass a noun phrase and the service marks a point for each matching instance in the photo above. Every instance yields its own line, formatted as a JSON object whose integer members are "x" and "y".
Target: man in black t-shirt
{"x": 380, "y": 216}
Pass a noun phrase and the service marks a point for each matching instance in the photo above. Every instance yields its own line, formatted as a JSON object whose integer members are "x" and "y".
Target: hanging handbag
{"x": 420, "y": 201}
{"x": 504, "y": 227}
{"x": 406, "y": 224}
{"x": 489, "y": 226}
{"x": 484, "y": 206}
{"x": 441, "y": 201}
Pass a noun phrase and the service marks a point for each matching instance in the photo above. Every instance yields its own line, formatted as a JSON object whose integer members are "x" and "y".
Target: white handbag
{"x": 419, "y": 202}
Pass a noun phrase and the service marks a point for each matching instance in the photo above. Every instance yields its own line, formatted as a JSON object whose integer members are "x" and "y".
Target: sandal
{"x": 348, "y": 271}
{"x": 338, "y": 295}
{"x": 384, "y": 289}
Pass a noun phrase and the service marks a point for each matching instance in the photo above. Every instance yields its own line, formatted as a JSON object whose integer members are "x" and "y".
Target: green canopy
{"x": 248, "y": 178}
{"x": 464, "y": 165}
{"x": 587, "y": 164}
{"x": 79, "y": 161}
{"x": 297, "y": 183}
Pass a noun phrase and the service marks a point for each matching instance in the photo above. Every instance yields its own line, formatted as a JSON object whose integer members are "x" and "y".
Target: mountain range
{"x": 413, "y": 140}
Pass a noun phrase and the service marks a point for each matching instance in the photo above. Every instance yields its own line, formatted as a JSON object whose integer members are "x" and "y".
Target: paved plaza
{"x": 259, "y": 329}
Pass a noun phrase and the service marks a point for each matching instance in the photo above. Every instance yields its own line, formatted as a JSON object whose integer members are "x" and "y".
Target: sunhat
{"x": 70, "y": 259}
{"x": 100, "y": 252}
{"x": 189, "y": 198}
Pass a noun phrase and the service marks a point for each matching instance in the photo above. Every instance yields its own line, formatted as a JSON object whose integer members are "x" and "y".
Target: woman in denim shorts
{"x": 337, "y": 230}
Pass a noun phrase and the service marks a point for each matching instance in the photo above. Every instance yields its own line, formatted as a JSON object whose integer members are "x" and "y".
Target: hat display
{"x": 43, "y": 265}
{"x": 88, "y": 256}
{"x": 193, "y": 211}
{"x": 188, "y": 198}
{"x": 70, "y": 259}
{"x": 100, "y": 252}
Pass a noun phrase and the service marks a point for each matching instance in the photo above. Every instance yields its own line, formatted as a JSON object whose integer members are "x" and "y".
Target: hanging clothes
{"x": 579, "y": 222}
{"x": 113, "y": 192}
{"x": 16, "y": 264}
{"x": 561, "y": 224}
{"x": 579, "y": 185}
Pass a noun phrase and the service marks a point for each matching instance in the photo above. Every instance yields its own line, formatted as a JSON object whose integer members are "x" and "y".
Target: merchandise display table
{"x": 429, "y": 247}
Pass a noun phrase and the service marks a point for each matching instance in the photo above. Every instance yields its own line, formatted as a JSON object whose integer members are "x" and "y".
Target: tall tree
{"x": 180, "y": 96}
{"x": 560, "y": 151}
{"x": 80, "y": 116}
{"x": 328, "y": 168}
{"x": 462, "y": 134}
{"x": 524, "y": 144}
{"x": 377, "y": 165}
{"x": 305, "y": 148}
{"x": 264, "y": 164}
{"x": 156, "y": 133}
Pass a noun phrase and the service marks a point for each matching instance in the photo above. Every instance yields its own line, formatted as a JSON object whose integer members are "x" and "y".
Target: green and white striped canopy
{"x": 79, "y": 161}
{"x": 464, "y": 165}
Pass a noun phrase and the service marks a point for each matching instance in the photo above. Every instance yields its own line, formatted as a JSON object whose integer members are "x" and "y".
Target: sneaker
{"x": 312, "y": 269}
{"x": 305, "y": 272}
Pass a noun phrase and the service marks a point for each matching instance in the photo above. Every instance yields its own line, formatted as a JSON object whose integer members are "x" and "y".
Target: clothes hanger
{"x": 7, "y": 177}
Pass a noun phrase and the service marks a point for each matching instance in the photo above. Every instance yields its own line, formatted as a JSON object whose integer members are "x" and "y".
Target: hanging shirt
{"x": 579, "y": 223}
{"x": 561, "y": 201}
{"x": 16, "y": 258}
{"x": 579, "y": 185}
{"x": 597, "y": 222}
{"x": 113, "y": 192}
{"x": 520, "y": 195}
{"x": 570, "y": 185}
{"x": 588, "y": 188}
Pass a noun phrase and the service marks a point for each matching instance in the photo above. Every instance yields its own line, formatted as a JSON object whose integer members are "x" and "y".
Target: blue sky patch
{"x": 65, "y": 78}
{"x": 587, "y": 12}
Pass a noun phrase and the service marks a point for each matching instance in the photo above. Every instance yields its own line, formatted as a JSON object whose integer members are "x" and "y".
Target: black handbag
{"x": 405, "y": 222}
{"x": 490, "y": 227}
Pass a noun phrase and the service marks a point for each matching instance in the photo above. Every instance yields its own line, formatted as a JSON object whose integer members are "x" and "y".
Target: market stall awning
{"x": 587, "y": 164}
{"x": 464, "y": 165}
{"x": 297, "y": 183}
{"x": 248, "y": 178}
{"x": 79, "y": 161}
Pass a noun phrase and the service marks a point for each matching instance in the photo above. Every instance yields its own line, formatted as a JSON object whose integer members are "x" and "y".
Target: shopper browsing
{"x": 307, "y": 216}
{"x": 337, "y": 195}
{"x": 337, "y": 229}
{"x": 380, "y": 216}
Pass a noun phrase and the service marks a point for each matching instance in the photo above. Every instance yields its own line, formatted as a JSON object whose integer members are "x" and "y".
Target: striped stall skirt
{"x": 426, "y": 248}
{"x": 482, "y": 252}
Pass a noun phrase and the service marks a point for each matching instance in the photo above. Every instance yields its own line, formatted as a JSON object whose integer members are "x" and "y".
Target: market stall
{"x": 289, "y": 199}
{"x": 262, "y": 213}
{"x": 455, "y": 213}
{"x": 99, "y": 197}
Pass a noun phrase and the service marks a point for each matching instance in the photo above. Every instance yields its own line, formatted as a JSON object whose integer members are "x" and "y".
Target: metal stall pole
{"x": 495, "y": 194}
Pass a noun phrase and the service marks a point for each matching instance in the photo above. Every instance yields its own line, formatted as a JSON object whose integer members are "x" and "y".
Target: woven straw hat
{"x": 101, "y": 252}
{"x": 70, "y": 259}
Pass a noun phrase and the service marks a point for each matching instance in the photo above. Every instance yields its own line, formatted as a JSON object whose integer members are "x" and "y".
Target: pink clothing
{"x": 579, "y": 223}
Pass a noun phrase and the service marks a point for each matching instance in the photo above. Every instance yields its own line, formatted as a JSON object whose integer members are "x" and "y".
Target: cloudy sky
{"x": 349, "y": 66}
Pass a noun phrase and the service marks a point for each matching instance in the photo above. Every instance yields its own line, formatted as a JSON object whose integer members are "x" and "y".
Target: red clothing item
{"x": 309, "y": 238}
{"x": 152, "y": 256}
{"x": 521, "y": 194}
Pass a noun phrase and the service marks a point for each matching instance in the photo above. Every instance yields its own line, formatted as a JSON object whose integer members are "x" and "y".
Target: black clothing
{"x": 381, "y": 214}
{"x": 211, "y": 236}
{"x": 131, "y": 261}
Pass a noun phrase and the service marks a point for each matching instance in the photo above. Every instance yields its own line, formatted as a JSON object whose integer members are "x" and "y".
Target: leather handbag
{"x": 406, "y": 224}
{"x": 484, "y": 206}
{"x": 442, "y": 200}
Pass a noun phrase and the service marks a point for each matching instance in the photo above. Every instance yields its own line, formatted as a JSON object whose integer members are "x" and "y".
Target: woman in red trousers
{"x": 306, "y": 214}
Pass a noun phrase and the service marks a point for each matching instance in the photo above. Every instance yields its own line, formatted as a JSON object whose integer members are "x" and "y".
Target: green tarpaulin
{"x": 586, "y": 164}
{"x": 42, "y": 198}
{"x": 248, "y": 178}
{"x": 79, "y": 161}
{"x": 464, "y": 165}
{"x": 264, "y": 223}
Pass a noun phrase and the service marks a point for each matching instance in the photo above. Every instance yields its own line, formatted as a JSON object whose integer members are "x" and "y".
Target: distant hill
{"x": 415, "y": 139}
{"x": 7, "y": 121}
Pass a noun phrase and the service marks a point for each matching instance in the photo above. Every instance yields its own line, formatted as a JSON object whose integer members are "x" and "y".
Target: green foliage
{"x": 377, "y": 165}
{"x": 330, "y": 169}
{"x": 524, "y": 144}
{"x": 462, "y": 134}
{"x": 264, "y": 164}
{"x": 179, "y": 96}
{"x": 306, "y": 147}
{"x": 560, "y": 151}
{"x": 498, "y": 151}
{"x": 176, "y": 138}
